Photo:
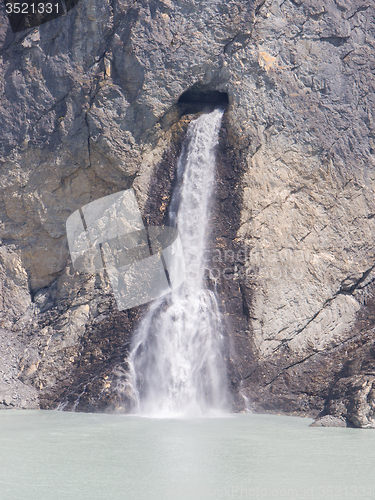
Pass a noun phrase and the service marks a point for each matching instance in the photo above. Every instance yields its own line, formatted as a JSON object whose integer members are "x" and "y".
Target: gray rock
{"x": 89, "y": 107}
{"x": 329, "y": 421}
{"x": 8, "y": 401}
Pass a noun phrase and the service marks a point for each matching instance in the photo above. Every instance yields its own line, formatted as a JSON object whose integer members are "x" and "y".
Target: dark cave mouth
{"x": 196, "y": 100}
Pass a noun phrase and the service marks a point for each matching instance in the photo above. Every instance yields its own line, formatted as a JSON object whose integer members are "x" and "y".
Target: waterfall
{"x": 176, "y": 364}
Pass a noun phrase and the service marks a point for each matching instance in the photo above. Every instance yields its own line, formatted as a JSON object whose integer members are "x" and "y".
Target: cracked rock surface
{"x": 89, "y": 107}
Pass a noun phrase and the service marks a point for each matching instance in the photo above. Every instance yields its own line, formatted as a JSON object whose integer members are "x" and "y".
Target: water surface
{"x": 50, "y": 455}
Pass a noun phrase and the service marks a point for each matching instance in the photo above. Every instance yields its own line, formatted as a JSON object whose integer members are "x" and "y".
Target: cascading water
{"x": 176, "y": 365}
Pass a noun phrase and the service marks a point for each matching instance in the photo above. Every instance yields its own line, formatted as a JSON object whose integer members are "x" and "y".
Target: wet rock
{"x": 354, "y": 397}
{"x": 329, "y": 421}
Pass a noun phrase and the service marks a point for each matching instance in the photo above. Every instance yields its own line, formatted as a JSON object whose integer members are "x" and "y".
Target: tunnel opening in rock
{"x": 196, "y": 100}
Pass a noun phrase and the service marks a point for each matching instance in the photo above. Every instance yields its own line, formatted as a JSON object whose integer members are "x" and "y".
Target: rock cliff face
{"x": 90, "y": 106}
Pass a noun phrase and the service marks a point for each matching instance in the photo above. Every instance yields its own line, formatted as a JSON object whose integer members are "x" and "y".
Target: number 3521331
{"x": 30, "y": 13}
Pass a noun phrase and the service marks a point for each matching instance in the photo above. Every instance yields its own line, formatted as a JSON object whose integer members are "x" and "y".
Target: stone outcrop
{"x": 90, "y": 106}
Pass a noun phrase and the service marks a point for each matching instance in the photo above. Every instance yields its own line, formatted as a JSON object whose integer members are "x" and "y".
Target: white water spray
{"x": 176, "y": 365}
